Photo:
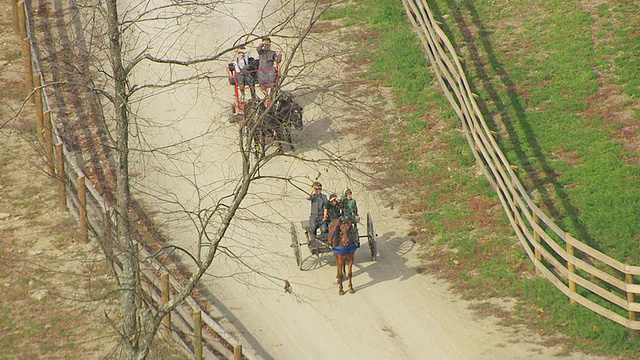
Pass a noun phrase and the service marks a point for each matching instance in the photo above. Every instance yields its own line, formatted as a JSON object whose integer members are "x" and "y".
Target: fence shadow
{"x": 587, "y": 276}
{"x": 484, "y": 61}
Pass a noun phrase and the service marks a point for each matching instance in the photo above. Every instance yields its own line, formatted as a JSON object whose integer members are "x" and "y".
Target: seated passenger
{"x": 243, "y": 76}
{"x": 350, "y": 210}
{"x": 334, "y": 210}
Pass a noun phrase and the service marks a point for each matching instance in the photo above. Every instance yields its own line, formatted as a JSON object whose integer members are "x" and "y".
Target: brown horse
{"x": 344, "y": 248}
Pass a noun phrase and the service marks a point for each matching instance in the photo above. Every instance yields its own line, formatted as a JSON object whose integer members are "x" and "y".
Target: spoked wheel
{"x": 372, "y": 237}
{"x": 297, "y": 248}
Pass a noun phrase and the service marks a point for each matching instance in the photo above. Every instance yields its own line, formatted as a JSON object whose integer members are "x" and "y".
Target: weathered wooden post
{"x": 536, "y": 238}
{"x": 26, "y": 46}
{"x": 136, "y": 248}
{"x": 197, "y": 332}
{"x": 62, "y": 184}
{"x": 82, "y": 198}
{"x": 37, "y": 96}
{"x": 572, "y": 270}
{"x": 165, "y": 299}
{"x": 631, "y": 297}
{"x": 22, "y": 25}
{"x": 14, "y": 11}
{"x": 26, "y": 55}
{"x": 237, "y": 352}
{"x": 48, "y": 140}
{"x": 108, "y": 242}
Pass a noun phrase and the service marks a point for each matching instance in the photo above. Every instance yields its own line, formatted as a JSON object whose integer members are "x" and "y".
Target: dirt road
{"x": 396, "y": 312}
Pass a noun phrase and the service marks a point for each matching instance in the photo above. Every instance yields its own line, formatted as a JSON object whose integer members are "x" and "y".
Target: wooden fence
{"x": 587, "y": 276}
{"x": 189, "y": 325}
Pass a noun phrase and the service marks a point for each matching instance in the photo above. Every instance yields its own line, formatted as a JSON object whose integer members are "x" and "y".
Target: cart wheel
{"x": 295, "y": 244}
{"x": 372, "y": 237}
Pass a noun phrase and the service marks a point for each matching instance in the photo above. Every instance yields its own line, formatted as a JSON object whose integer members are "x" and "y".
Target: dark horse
{"x": 344, "y": 249}
{"x": 274, "y": 120}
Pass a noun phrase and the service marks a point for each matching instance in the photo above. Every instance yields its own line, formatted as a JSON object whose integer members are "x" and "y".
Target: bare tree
{"x": 128, "y": 33}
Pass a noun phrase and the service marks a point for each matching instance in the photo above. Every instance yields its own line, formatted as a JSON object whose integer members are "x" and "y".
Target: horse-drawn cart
{"x": 272, "y": 117}
{"x": 318, "y": 244}
{"x": 252, "y": 77}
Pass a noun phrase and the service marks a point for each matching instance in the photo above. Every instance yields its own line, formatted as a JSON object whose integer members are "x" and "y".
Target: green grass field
{"x": 559, "y": 82}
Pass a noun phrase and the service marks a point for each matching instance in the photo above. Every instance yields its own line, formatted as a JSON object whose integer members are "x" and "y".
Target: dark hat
{"x": 333, "y": 196}
{"x": 317, "y": 184}
{"x": 348, "y": 192}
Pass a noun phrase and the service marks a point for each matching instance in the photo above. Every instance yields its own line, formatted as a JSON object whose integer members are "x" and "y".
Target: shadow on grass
{"x": 483, "y": 59}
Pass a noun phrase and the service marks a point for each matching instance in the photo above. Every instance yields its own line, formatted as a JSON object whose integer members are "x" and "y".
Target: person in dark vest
{"x": 334, "y": 210}
{"x": 318, "y": 208}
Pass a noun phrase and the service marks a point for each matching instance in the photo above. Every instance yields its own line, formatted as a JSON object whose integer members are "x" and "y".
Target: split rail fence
{"x": 189, "y": 325}
{"x": 585, "y": 275}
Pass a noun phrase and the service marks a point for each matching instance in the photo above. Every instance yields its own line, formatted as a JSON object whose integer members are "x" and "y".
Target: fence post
{"x": 62, "y": 184}
{"x": 39, "y": 110}
{"x": 572, "y": 270}
{"x": 14, "y": 11}
{"x": 48, "y": 140}
{"x": 22, "y": 25}
{"x": 631, "y": 297}
{"x": 197, "y": 332}
{"x": 82, "y": 197}
{"x": 536, "y": 238}
{"x": 237, "y": 352}
{"x": 108, "y": 242}
{"x": 26, "y": 46}
{"x": 26, "y": 55}
{"x": 165, "y": 299}
{"x": 136, "y": 248}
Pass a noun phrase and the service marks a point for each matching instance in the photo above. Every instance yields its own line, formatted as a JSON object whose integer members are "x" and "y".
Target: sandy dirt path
{"x": 396, "y": 313}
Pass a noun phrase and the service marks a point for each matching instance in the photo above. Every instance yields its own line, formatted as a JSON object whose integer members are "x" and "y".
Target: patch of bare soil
{"x": 57, "y": 295}
{"x": 54, "y": 288}
{"x": 609, "y": 104}
{"x": 60, "y": 300}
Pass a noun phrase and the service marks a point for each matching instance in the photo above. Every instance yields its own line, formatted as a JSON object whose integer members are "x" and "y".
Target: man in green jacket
{"x": 350, "y": 209}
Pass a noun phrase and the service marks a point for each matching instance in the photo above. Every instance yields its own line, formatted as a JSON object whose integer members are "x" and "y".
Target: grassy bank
{"x": 559, "y": 82}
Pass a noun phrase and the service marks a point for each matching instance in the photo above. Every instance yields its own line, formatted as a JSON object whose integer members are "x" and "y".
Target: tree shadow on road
{"x": 227, "y": 315}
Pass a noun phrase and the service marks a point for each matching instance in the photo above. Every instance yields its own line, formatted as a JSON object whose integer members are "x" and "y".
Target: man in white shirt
{"x": 243, "y": 75}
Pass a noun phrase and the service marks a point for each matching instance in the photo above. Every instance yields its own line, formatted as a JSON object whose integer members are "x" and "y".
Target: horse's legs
{"x": 287, "y": 134}
{"x": 345, "y": 276}
{"x": 277, "y": 137}
{"x": 339, "y": 266}
{"x": 350, "y": 267}
{"x": 338, "y": 275}
{"x": 258, "y": 140}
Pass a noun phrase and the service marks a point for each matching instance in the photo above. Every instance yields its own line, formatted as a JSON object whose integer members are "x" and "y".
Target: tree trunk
{"x": 129, "y": 277}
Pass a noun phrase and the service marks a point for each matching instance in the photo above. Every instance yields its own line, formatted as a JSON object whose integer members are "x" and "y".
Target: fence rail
{"x": 587, "y": 276}
{"x": 191, "y": 326}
